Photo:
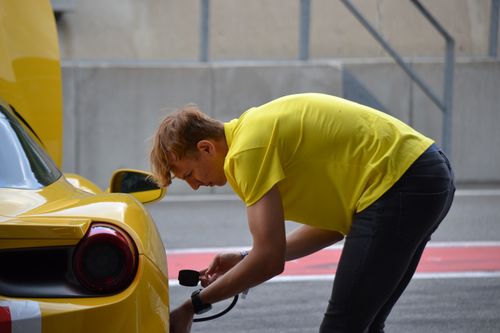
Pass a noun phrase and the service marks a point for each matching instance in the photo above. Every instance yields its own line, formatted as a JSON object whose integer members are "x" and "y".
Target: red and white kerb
{"x": 20, "y": 317}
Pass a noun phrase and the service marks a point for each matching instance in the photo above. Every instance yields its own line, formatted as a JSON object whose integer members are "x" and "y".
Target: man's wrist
{"x": 197, "y": 303}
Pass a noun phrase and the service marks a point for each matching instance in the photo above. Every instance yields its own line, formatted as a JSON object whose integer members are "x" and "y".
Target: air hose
{"x": 191, "y": 278}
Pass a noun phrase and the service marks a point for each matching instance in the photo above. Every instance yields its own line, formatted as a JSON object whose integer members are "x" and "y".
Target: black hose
{"x": 217, "y": 315}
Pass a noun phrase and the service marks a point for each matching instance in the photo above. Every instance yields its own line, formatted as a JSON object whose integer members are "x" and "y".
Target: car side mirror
{"x": 138, "y": 183}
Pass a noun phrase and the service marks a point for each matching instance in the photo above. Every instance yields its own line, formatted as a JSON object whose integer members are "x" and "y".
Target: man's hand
{"x": 219, "y": 266}
{"x": 182, "y": 318}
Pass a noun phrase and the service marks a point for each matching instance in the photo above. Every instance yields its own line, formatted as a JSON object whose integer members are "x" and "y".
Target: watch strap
{"x": 198, "y": 305}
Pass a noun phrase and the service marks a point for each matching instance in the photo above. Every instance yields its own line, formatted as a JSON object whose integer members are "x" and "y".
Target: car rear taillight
{"x": 105, "y": 260}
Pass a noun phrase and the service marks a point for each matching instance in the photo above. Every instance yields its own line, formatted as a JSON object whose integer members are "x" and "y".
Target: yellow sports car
{"x": 73, "y": 258}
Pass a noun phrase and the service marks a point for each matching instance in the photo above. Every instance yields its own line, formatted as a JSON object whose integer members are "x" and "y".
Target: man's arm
{"x": 269, "y": 251}
{"x": 267, "y": 257}
{"x": 306, "y": 240}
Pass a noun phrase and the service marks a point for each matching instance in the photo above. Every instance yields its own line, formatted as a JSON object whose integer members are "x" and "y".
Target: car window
{"x": 23, "y": 163}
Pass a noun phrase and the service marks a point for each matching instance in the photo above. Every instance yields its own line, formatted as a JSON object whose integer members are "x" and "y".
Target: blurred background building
{"x": 433, "y": 64}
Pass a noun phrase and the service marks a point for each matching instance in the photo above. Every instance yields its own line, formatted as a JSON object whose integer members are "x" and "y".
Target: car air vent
{"x": 38, "y": 272}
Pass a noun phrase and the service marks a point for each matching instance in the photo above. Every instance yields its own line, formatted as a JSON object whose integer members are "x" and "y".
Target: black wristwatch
{"x": 198, "y": 305}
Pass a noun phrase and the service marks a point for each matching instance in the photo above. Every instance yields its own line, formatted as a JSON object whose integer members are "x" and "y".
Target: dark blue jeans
{"x": 384, "y": 246}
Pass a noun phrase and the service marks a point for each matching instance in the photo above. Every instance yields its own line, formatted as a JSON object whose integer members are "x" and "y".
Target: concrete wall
{"x": 263, "y": 29}
{"x": 475, "y": 146}
{"x": 112, "y": 109}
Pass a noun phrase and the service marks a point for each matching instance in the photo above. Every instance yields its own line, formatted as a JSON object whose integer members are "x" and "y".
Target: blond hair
{"x": 178, "y": 134}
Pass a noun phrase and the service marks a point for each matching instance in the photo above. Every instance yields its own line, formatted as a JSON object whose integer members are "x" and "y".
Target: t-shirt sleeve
{"x": 252, "y": 173}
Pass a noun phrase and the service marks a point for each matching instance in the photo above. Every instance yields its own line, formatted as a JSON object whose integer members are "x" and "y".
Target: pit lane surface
{"x": 465, "y": 298}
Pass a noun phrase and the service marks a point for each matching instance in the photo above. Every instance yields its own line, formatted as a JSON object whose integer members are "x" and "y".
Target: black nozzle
{"x": 189, "y": 278}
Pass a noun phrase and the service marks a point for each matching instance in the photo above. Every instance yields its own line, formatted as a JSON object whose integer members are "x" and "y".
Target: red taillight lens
{"x": 106, "y": 259}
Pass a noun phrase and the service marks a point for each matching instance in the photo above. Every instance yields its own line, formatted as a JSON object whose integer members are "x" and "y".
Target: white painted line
{"x": 336, "y": 246}
{"x": 206, "y": 250}
{"x": 478, "y": 192}
{"x": 457, "y": 275}
{"x": 418, "y": 276}
{"x": 464, "y": 244}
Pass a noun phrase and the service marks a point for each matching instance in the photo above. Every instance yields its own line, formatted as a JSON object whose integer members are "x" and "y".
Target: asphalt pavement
{"x": 463, "y": 303}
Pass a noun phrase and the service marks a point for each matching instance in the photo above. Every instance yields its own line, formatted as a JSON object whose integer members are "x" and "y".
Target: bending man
{"x": 341, "y": 169}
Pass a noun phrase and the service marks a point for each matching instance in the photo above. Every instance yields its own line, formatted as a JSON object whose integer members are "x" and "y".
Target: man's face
{"x": 205, "y": 167}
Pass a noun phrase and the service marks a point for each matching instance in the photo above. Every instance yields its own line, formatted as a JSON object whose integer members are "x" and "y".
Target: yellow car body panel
{"x": 40, "y": 232}
{"x": 60, "y": 213}
{"x": 82, "y": 183}
{"x": 142, "y": 307}
{"x": 30, "y": 71}
{"x": 137, "y": 309}
{"x": 62, "y": 202}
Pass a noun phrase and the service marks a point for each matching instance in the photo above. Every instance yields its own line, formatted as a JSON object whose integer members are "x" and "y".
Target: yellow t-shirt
{"x": 330, "y": 157}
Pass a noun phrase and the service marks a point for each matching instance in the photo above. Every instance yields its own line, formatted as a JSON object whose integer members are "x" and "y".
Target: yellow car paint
{"x": 142, "y": 307}
{"x": 41, "y": 232}
{"x": 82, "y": 183}
{"x": 30, "y": 71}
{"x": 61, "y": 201}
{"x": 61, "y": 213}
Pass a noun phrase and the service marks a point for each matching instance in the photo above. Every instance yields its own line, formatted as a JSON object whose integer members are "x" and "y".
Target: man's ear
{"x": 205, "y": 146}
